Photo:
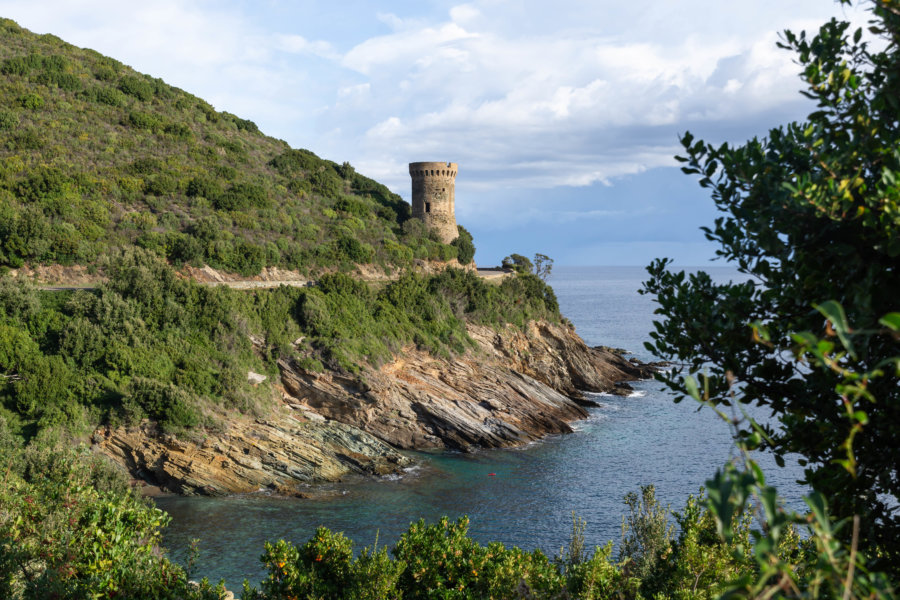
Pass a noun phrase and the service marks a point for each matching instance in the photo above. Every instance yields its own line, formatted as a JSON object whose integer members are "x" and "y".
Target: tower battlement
{"x": 434, "y": 196}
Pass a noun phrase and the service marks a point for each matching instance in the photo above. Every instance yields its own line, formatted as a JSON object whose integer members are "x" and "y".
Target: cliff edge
{"x": 517, "y": 386}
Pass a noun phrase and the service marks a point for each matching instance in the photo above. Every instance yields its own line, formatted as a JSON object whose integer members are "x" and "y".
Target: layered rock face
{"x": 515, "y": 388}
{"x": 280, "y": 454}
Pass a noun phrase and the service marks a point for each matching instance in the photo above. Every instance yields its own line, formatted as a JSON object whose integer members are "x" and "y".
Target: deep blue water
{"x": 528, "y": 502}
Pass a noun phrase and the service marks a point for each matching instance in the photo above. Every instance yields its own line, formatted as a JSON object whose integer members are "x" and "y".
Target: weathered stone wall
{"x": 434, "y": 196}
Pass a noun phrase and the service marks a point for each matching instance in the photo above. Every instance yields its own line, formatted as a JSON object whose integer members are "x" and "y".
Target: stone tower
{"x": 434, "y": 197}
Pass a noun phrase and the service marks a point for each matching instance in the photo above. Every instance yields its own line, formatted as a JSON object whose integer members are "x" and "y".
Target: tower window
{"x": 428, "y": 207}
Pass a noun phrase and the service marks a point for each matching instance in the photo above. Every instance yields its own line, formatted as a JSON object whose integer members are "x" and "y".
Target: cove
{"x": 530, "y": 499}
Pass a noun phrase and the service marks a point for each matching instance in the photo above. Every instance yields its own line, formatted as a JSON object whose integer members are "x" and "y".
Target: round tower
{"x": 434, "y": 196}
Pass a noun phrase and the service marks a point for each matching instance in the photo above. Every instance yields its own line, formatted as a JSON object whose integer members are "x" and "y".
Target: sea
{"x": 525, "y": 497}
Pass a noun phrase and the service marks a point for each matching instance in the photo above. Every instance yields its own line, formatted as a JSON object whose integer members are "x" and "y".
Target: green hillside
{"x": 105, "y": 167}
{"x": 95, "y": 156}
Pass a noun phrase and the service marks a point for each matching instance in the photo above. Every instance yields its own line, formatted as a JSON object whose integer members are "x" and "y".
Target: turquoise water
{"x": 528, "y": 502}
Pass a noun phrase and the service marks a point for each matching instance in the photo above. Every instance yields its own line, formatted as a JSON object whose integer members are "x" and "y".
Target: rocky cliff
{"x": 516, "y": 387}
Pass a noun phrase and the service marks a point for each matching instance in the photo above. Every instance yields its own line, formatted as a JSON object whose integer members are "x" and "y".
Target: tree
{"x": 72, "y": 528}
{"x": 812, "y": 214}
{"x": 465, "y": 247}
{"x": 543, "y": 266}
{"x": 517, "y": 262}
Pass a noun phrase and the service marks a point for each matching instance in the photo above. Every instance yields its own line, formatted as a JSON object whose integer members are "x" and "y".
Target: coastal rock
{"x": 279, "y": 454}
{"x": 515, "y": 388}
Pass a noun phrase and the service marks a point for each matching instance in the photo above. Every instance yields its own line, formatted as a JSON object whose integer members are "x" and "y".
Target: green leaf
{"x": 757, "y": 472}
{"x": 834, "y": 312}
{"x": 690, "y": 385}
{"x": 891, "y": 321}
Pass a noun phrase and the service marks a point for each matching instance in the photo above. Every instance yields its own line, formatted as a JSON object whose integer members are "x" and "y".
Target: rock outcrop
{"x": 516, "y": 387}
{"x": 280, "y": 454}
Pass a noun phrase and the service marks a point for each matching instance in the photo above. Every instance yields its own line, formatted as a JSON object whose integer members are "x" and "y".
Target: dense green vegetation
{"x": 151, "y": 344}
{"x": 542, "y": 265}
{"x": 812, "y": 213}
{"x": 95, "y": 156}
{"x": 70, "y": 527}
{"x": 106, "y": 167}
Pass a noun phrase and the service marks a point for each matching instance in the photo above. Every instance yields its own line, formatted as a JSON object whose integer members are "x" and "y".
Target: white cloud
{"x": 606, "y": 101}
{"x": 391, "y": 20}
{"x": 525, "y": 93}
{"x": 298, "y": 44}
{"x": 423, "y": 47}
{"x": 464, "y": 13}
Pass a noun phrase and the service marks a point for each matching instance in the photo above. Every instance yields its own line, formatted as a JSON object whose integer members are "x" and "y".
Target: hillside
{"x": 204, "y": 389}
{"x": 95, "y": 156}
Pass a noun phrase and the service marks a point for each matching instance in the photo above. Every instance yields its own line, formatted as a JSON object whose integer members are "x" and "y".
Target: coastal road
{"x": 491, "y": 275}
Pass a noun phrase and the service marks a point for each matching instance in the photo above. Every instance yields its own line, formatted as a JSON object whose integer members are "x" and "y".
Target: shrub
{"x": 647, "y": 534}
{"x": 208, "y": 111}
{"x": 143, "y": 120}
{"x": 351, "y": 249}
{"x": 105, "y": 73}
{"x": 809, "y": 217}
{"x": 8, "y": 119}
{"x": 206, "y": 229}
{"x": 440, "y": 559}
{"x": 31, "y": 101}
{"x": 179, "y": 131}
{"x": 465, "y": 249}
{"x": 29, "y": 139}
{"x": 185, "y": 249}
{"x": 145, "y": 166}
{"x": 326, "y": 182}
{"x": 246, "y": 258}
{"x": 46, "y": 182}
{"x": 138, "y": 87}
{"x": 246, "y": 125}
{"x": 320, "y": 568}
{"x": 105, "y": 95}
{"x": 71, "y": 528}
{"x": 64, "y": 81}
{"x": 597, "y": 577}
{"x": 16, "y": 65}
{"x": 242, "y": 196}
{"x": 161, "y": 184}
{"x": 294, "y": 163}
{"x": 205, "y": 187}
{"x": 55, "y": 63}
{"x": 225, "y": 172}
{"x": 172, "y": 407}
{"x": 353, "y": 206}
{"x": 431, "y": 561}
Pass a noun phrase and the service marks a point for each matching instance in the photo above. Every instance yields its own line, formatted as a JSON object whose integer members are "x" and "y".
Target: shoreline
{"x": 517, "y": 387}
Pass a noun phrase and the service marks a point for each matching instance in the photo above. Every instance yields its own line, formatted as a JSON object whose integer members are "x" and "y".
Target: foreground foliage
{"x": 71, "y": 528}
{"x": 812, "y": 216}
{"x": 714, "y": 550}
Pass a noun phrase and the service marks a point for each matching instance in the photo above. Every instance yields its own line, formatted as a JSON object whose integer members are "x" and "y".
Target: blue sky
{"x": 564, "y": 117}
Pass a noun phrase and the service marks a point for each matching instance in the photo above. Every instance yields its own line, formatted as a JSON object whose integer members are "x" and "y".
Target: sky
{"x": 564, "y": 116}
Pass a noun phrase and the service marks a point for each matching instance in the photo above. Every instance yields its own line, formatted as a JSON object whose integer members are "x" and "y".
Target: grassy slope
{"x": 94, "y": 155}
